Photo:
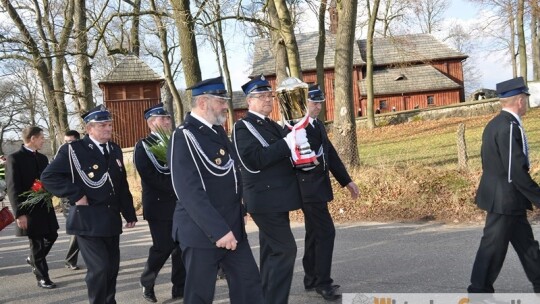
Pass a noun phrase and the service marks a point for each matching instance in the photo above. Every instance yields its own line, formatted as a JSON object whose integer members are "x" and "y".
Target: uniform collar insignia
{"x": 91, "y": 146}
{"x": 260, "y": 122}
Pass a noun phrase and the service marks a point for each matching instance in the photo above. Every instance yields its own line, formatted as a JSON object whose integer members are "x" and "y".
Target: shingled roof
{"x": 264, "y": 59}
{"x": 420, "y": 78}
{"x": 386, "y": 51}
{"x": 409, "y": 48}
{"x": 131, "y": 69}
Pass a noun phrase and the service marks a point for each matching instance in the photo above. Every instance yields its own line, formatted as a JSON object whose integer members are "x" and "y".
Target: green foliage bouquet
{"x": 159, "y": 147}
{"x": 36, "y": 195}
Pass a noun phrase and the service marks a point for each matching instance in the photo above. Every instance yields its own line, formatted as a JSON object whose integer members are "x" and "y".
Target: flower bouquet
{"x": 159, "y": 147}
{"x": 36, "y": 195}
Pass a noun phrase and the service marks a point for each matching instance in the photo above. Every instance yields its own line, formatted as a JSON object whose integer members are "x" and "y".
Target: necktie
{"x": 105, "y": 151}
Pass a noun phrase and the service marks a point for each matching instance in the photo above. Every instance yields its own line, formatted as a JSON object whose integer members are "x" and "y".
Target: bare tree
{"x": 168, "y": 70}
{"x": 319, "y": 59}
{"x": 85, "y": 97}
{"x": 535, "y": 38}
{"x": 344, "y": 128}
{"x": 372, "y": 19}
{"x": 289, "y": 38}
{"x": 461, "y": 39}
{"x": 188, "y": 45}
{"x": 393, "y": 11}
{"x": 44, "y": 48}
{"x": 522, "y": 49}
{"x": 430, "y": 13}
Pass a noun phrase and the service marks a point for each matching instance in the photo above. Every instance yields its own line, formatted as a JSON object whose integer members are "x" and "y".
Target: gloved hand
{"x": 301, "y": 137}
{"x": 290, "y": 140}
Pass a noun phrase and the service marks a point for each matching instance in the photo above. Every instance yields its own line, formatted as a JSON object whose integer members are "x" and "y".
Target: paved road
{"x": 368, "y": 258}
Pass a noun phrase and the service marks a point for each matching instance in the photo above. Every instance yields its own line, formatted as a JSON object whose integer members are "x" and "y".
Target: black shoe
{"x": 29, "y": 262}
{"x": 72, "y": 266}
{"x": 149, "y": 295}
{"x": 312, "y": 288}
{"x": 329, "y": 292}
{"x": 46, "y": 283}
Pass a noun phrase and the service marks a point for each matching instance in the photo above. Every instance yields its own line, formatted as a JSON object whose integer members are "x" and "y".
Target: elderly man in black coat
{"x": 316, "y": 190}
{"x": 91, "y": 174}
{"x": 506, "y": 191}
{"x": 39, "y": 222}
{"x": 208, "y": 219}
{"x": 270, "y": 187}
{"x": 159, "y": 201}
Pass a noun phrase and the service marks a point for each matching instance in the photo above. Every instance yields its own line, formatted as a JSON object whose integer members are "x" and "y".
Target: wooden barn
{"x": 410, "y": 71}
{"x": 130, "y": 88}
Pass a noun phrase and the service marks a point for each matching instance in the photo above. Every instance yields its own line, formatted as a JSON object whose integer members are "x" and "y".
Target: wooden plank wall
{"x": 410, "y": 101}
{"x": 129, "y": 124}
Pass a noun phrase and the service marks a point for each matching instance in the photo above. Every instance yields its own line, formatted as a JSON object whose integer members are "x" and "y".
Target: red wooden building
{"x": 130, "y": 88}
{"x": 410, "y": 71}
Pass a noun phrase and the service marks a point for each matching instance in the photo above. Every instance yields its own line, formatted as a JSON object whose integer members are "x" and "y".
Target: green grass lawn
{"x": 433, "y": 143}
{"x": 409, "y": 172}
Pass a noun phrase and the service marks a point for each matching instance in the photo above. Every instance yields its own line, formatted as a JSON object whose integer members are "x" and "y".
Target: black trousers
{"x": 498, "y": 232}
{"x": 278, "y": 254}
{"x": 102, "y": 258}
{"x": 163, "y": 246}
{"x": 319, "y": 245}
{"x": 40, "y": 245}
{"x": 73, "y": 251}
{"x": 242, "y": 274}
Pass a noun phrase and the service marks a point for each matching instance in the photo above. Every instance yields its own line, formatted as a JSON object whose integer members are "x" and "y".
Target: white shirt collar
{"x": 29, "y": 149}
{"x": 257, "y": 114}
{"x": 311, "y": 120}
{"x": 515, "y": 115}
{"x": 98, "y": 144}
{"x": 204, "y": 121}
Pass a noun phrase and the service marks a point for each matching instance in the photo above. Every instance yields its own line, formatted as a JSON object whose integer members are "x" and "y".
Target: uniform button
{"x": 267, "y": 186}
{"x": 158, "y": 198}
{"x": 303, "y": 180}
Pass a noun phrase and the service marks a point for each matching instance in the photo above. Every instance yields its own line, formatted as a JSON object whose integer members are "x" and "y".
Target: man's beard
{"x": 219, "y": 117}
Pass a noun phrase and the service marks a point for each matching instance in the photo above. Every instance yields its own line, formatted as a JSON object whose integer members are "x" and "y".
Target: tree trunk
{"x": 85, "y": 98}
{"x": 319, "y": 59}
{"x": 134, "y": 32}
{"x": 463, "y": 157}
{"x": 522, "y": 49}
{"x": 278, "y": 45}
{"x": 226, "y": 71}
{"x": 535, "y": 39}
{"x": 344, "y": 128}
{"x": 512, "y": 44}
{"x": 177, "y": 115}
{"x": 369, "y": 64}
{"x": 287, "y": 32}
{"x": 188, "y": 45}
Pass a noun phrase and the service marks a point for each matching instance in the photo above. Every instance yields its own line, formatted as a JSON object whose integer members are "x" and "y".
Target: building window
{"x": 382, "y": 104}
{"x": 430, "y": 100}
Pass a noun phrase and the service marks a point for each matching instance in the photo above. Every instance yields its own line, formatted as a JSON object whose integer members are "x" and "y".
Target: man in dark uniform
{"x": 316, "y": 190}
{"x": 208, "y": 219}
{"x": 73, "y": 248}
{"x": 270, "y": 187}
{"x": 159, "y": 201}
{"x": 38, "y": 222}
{"x": 506, "y": 191}
{"x": 90, "y": 172}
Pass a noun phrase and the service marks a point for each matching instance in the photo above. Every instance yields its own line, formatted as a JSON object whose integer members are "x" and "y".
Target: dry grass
{"x": 409, "y": 172}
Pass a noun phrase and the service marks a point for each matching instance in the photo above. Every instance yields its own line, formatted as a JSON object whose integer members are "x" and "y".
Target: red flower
{"x": 37, "y": 186}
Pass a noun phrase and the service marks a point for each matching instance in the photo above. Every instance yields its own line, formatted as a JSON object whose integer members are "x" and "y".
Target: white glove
{"x": 301, "y": 137}
{"x": 289, "y": 139}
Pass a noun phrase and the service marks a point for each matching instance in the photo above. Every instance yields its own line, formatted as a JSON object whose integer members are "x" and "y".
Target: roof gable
{"x": 131, "y": 69}
{"x": 420, "y": 78}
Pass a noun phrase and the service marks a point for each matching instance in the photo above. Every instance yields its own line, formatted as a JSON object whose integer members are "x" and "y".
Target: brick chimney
{"x": 333, "y": 14}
